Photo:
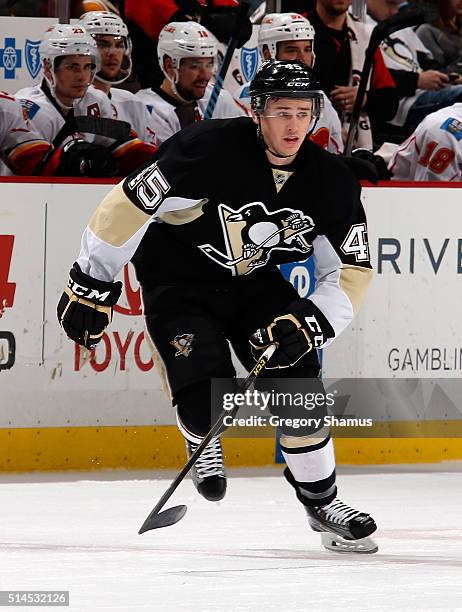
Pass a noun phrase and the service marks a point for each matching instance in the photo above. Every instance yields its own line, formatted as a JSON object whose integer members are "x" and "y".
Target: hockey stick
{"x": 220, "y": 79}
{"x": 157, "y": 519}
{"x": 403, "y": 19}
{"x": 100, "y": 126}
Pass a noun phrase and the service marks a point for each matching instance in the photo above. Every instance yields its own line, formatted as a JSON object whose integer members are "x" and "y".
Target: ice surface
{"x": 253, "y": 551}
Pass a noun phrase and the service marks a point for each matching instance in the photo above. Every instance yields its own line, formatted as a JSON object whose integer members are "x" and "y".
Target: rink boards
{"x": 62, "y": 408}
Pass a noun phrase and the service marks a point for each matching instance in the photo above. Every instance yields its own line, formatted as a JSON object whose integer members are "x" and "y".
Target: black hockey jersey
{"x": 210, "y": 208}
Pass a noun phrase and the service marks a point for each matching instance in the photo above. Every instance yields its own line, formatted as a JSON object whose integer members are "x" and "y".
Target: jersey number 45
{"x": 356, "y": 242}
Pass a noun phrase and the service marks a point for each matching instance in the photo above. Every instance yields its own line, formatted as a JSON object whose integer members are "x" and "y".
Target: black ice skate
{"x": 208, "y": 473}
{"x": 343, "y": 529}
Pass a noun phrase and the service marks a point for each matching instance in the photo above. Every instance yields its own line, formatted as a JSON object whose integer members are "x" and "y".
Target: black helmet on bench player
{"x": 282, "y": 79}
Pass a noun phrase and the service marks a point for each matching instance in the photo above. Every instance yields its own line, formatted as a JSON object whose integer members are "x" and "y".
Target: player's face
{"x": 296, "y": 51}
{"x": 112, "y": 50}
{"x": 73, "y": 76}
{"x": 193, "y": 77}
{"x": 285, "y": 123}
{"x": 335, "y": 7}
{"x": 455, "y": 8}
{"x": 382, "y": 9}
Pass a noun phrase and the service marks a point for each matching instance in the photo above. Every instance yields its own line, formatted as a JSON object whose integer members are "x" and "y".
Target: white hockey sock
{"x": 311, "y": 464}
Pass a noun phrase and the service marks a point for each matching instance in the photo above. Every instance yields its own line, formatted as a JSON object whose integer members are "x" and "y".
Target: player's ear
{"x": 254, "y": 117}
{"x": 168, "y": 66}
{"x": 47, "y": 68}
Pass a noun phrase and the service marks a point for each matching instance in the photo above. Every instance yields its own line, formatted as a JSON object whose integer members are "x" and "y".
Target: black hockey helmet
{"x": 284, "y": 79}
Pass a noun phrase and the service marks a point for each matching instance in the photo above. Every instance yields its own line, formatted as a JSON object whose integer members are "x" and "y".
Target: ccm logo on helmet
{"x": 90, "y": 294}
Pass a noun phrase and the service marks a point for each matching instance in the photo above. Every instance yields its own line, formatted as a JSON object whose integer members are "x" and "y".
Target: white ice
{"x": 253, "y": 551}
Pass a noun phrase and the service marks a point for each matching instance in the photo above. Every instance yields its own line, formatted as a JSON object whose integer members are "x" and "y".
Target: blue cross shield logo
{"x": 32, "y": 57}
{"x": 10, "y": 58}
{"x": 249, "y": 62}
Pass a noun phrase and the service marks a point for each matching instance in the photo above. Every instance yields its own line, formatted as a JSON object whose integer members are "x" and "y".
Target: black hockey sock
{"x": 317, "y": 493}
{"x": 193, "y": 408}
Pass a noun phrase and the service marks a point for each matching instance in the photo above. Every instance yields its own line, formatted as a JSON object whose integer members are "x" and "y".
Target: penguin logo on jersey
{"x": 251, "y": 233}
{"x": 182, "y": 344}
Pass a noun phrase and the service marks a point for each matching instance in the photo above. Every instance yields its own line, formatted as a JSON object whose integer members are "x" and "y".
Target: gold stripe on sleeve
{"x": 354, "y": 281}
{"x": 117, "y": 219}
{"x": 302, "y": 441}
{"x": 184, "y": 215}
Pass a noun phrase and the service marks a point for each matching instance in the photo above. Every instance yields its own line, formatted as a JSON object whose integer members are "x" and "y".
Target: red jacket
{"x": 152, "y": 15}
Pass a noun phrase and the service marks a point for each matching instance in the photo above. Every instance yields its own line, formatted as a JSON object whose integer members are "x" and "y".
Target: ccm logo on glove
{"x": 86, "y": 307}
{"x": 314, "y": 327}
{"x": 87, "y": 292}
{"x": 297, "y": 333}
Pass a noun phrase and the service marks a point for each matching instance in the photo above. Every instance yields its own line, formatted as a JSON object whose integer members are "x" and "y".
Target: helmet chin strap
{"x": 52, "y": 86}
{"x": 173, "y": 83}
{"x": 264, "y": 145}
{"x": 278, "y": 155}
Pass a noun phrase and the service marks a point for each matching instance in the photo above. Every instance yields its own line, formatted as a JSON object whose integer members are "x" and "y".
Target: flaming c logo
{"x": 7, "y": 290}
{"x": 132, "y": 296}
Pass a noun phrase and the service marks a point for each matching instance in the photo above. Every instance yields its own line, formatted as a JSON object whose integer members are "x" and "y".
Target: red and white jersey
{"x": 328, "y": 131}
{"x": 20, "y": 145}
{"x": 128, "y": 107}
{"x": 434, "y": 151}
{"x": 166, "y": 120}
{"x": 47, "y": 120}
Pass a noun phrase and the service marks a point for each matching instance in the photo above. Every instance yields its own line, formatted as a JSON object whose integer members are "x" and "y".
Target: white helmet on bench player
{"x": 279, "y": 27}
{"x": 61, "y": 40}
{"x": 184, "y": 40}
{"x": 104, "y": 23}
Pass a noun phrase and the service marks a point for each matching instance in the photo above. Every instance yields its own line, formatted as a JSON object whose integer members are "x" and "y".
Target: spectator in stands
{"x": 113, "y": 41}
{"x": 70, "y": 60}
{"x": 434, "y": 151}
{"x": 341, "y": 43}
{"x": 146, "y": 19}
{"x": 421, "y": 88}
{"x": 21, "y": 148}
{"x": 50, "y": 8}
{"x": 289, "y": 36}
{"x": 443, "y": 37}
{"x": 78, "y": 7}
{"x": 187, "y": 54}
{"x": 24, "y": 8}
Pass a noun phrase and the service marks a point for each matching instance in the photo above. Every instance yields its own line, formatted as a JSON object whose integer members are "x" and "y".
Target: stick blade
{"x": 163, "y": 519}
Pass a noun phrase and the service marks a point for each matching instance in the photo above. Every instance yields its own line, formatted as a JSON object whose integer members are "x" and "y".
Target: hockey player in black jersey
{"x": 206, "y": 224}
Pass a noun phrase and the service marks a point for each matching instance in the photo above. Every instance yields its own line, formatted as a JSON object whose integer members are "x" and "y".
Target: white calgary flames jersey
{"x": 128, "y": 107}
{"x": 47, "y": 120}
{"x": 328, "y": 131}
{"x": 434, "y": 151}
{"x": 16, "y": 135}
{"x": 166, "y": 120}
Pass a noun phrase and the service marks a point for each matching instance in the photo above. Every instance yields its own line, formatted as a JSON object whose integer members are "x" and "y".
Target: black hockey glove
{"x": 364, "y": 170}
{"x": 80, "y": 158}
{"x": 365, "y": 165}
{"x": 298, "y": 332}
{"x": 380, "y": 165}
{"x": 85, "y": 308}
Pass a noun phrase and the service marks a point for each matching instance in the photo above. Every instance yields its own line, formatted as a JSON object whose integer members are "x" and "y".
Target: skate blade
{"x": 335, "y": 543}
